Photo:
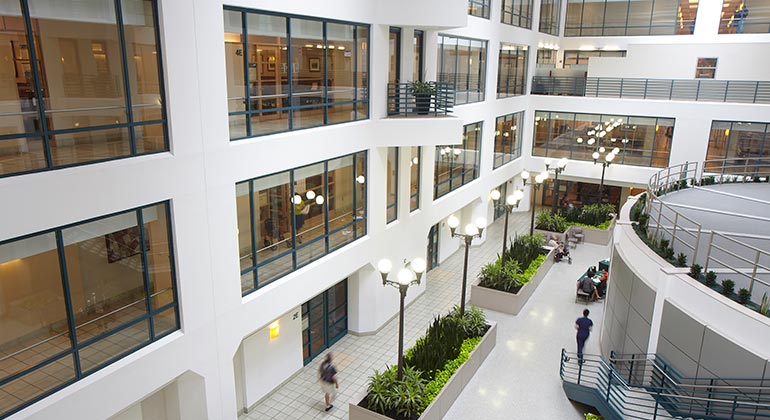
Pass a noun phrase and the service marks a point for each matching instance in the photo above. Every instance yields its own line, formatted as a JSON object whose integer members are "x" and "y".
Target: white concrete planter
{"x": 509, "y": 303}
{"x": 452, "y": 389}
{"x": 590, "y": 235}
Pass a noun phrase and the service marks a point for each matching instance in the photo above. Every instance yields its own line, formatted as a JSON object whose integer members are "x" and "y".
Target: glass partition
{"x": 289, "y": 73}
{"x": 457, "y": 165}
{"x": 512, "y": 70}
{"x": 641, "y": 141}
{"x": 288, "y": 219}
{"x": 80, "y": 297}
{"x": 517, "y": 13}
{"x": 80, "y": 83}
{"x": 462, "y": 63}
{"x": 745, "y": 143}
{"x": 630, "y": 17}
{"x": 507, "y": 138}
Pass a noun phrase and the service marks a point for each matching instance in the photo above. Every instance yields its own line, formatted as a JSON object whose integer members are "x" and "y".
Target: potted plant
{"x": 423, "y": 93}
{"x": 727, "y": 287}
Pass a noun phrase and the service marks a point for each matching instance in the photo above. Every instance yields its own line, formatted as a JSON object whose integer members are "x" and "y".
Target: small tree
{"x": 728, "y": 286}
{"x": 711, "y": 279}
{"x": 695, "y": 271}
{"x": 744, "y": 296}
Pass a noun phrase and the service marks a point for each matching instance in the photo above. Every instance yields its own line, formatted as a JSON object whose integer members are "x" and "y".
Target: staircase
{"x": 643, "y": 386}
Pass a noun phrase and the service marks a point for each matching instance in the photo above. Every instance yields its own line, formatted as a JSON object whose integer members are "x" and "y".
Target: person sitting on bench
{"x": 602, "y": 287}
{"x": 587, "y": 286}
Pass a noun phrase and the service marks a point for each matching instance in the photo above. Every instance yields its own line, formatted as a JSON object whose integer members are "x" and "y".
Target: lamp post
{"x": 605, "y": 163}
{"x": 472, "y": 231}
{"x": 404, "y": 279}
{"x": 596, "y": 136}
{"x": 511, "y": 202}
{"x": 560, "y": 166}
{"x": 539, "y": 179}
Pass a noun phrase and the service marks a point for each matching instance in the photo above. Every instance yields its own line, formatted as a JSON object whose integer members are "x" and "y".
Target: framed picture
{"x": 315, "y": 64}
{"x": 124, "y": 243}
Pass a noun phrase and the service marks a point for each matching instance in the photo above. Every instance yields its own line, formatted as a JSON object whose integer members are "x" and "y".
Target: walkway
{"x": 520, "y": 379}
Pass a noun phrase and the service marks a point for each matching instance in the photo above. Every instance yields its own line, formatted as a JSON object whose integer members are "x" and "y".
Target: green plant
{"x": 695, "y": 271}
{"x": 668, "y": 253}
{"x": 551, "y": 222}
{"x": 644, "y": 220}
{"x": 440, "y": 343}
{"x": 744, "y": 296}
{"x": 524, "y": 249}
{"x": 387, "y": 394}
{"x": 664, "y": 243}
{"x": 592, "y": 215}
{"x": 591, "y": 416}
{"x": 681, "y": 260}
{"x": 709, "y": 180}
{"x": 421, "y": 88}
{"x": 473, "y": 323}
{"x": 711, "y": 279}
{"x": 501, "y": 275}
{"x": 434, "y": 386}
{"x": 728, "y": 286}
{"x": 764, "y": 306}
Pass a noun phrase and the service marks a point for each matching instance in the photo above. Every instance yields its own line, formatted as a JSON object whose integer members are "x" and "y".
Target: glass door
{"x": 433, "y": 247}
{"x": 324, "y": 320}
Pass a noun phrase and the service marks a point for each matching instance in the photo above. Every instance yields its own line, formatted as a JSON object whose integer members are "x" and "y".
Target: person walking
{"x": 583, "y": 326}
{"x": 327, "y": 374}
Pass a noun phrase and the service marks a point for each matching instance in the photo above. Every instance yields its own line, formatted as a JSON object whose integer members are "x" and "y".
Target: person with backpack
{"x": 327, "y": 374}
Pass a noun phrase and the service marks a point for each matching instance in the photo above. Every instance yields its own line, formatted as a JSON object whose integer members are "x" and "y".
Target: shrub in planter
{"x": 728, "y": 286}
{"x": 681, "y": 260}
{"x": 525, "y": 249}
{"x": 433, "y": 387}
{"x": 591, "y": 416}
{"x": 387, "y": 395}
{"x": 668, "y": 253}
{"x": 764, "y": 306}
{"x": 551, "y": 222}
{"x": 711, "y": 279}
{"x": 744, "y": 296}
{"x": 664, "y": 243}
{"x": 644, "y": 220}
{"x": 709, "y": 180}
{"x": 695, "y": 271}
{"x": 501, "y": 275}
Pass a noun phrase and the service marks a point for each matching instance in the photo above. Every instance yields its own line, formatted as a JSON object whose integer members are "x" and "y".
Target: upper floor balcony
{"x": 702, "y": 90}
{"x": 420, "y": 99}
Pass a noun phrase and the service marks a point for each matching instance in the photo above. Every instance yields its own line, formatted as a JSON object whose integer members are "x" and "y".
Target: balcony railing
{"x": 402, "y": 101}
{"x": 743, "y": 91}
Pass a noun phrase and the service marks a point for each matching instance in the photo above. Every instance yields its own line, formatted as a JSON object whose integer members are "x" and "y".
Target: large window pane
{"x": 462, "y": 62}
{"x": 512, "y": 70}
{"x": 517, "y": 13}
{"x": 105, "y": 264}
{"x": 295, "y": 223}
{"x": 549, "y": 16}
{"x": 80, "y": 54}
{"x": 268, "y": 76}
{"x": 392, "y": 187}
{"x": 641, "y": 141}
{"x": 457, "y": 165}
{"x": 507, "y": 143}
{"x": 414, "y": 177}
{"x": 631, "y": 17}
{"x": 339, "y": 54}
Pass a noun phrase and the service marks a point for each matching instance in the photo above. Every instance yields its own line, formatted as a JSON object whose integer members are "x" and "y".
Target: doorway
{"x": 324, "y": 320}
{"x": 433, "y": 247}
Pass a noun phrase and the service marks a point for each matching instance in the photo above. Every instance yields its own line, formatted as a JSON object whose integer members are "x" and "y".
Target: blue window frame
{"x": 288, "y": 219}
{"x": 507, "y": 138}
{"x": 287, "y": 72}
{"x": 83, "y": 296}
{"x": 457, "y": 165}
{"x": 75, "y": 97}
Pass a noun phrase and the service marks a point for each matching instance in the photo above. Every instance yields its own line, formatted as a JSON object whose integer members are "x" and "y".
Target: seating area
{"x": 600, "y": 278}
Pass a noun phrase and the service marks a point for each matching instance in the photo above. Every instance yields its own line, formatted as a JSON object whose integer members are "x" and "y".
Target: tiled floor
{"x": 520, "y": 379}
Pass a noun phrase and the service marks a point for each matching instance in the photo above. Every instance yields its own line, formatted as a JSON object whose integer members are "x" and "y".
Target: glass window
{"x": 630, "y": 17}
{"x": 507, "y": 142}
{"x": 736, "y": 19}
{"x": 315, "y": 77}
{"x": 512, "y": 70}
{"x": 573, "y": 58}
{"x": 550, "y": 11}
{"x": 120, "y": 290}
{"x": 457, "y": 165}
{"x": 706, "y": 68}
{"x": 641, "y": 141}
{"x": 79, "y": 87}
{"x": 743, "y": 144}
{"x": 419, "y": 44}
{"x": 291, "y": 218}
{"x": 517, "y": 13}
{"x": 414, "y": 177}
{"x": 479, "y": 8}
{"x": 392, "y": 187}
{"x": 462, "y": 63}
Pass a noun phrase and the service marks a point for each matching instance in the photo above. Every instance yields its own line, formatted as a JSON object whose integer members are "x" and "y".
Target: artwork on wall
{"x": 124, "y": 243}
{"x": 315, "y": 64}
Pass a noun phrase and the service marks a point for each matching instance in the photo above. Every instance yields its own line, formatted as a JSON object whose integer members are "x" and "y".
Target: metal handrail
{"x": 436, "y": 99}
{"x": 672, "y": 399}
{"x": 666, "y": 222}
{"x": 699, "y": 90}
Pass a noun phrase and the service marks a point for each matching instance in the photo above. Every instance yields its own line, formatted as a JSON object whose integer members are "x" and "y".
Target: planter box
{"x": 509, "y": 303}
{"x": 597, "y": 236}
{"x": 452, "y": 389}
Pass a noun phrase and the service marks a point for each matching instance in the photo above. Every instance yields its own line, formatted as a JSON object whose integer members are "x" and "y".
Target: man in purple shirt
{"x": 583, "y": 326}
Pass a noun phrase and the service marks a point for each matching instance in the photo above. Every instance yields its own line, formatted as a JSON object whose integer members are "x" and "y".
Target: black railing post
{"x": 646, "y": 82}
{"x": 727, "y": 89}
{"x": 620, "y": 93}
{"x": 671, "y": 90}
{"x": 697, "y": 91}
{"x": 631, "y": 368}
